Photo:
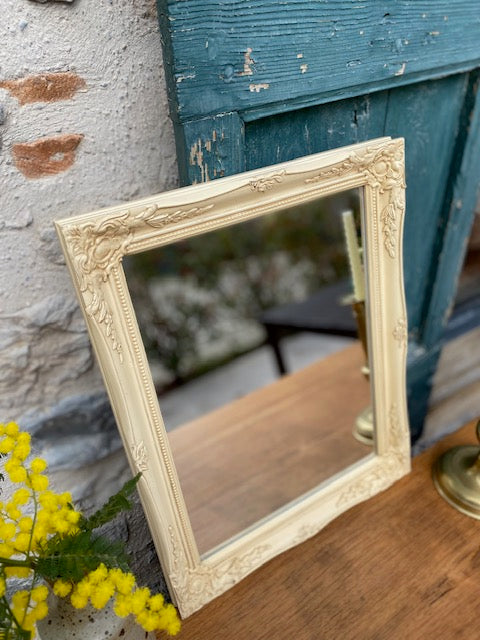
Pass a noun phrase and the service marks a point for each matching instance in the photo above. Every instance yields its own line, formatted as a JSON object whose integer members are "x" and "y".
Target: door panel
{"x": 426, "y": 115}
{"x": 255, "y": 82}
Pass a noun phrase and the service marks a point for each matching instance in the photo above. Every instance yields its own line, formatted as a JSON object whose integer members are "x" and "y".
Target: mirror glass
{"x": 254, "y": 340}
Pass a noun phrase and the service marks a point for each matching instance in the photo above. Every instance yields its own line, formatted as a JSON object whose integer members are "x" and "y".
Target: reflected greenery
{"x": 192, "y": 297}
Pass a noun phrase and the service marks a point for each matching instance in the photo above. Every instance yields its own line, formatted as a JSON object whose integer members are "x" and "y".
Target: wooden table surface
{"x": 403, "y": 565}
{"x": 243, "y": 461}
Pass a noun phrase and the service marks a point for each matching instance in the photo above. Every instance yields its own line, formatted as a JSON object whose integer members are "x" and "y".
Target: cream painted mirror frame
{"x": 94, "y": 245}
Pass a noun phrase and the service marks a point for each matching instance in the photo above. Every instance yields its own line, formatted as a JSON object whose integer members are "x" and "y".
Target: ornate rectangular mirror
{"x": 258, "y": 387}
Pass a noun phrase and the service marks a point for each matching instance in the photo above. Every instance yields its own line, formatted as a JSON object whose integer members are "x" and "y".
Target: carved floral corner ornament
{"x": 201, "y": 584}
{"x": 95, "y": 244}
{"x": 98, "y": 248}
{"x": 383, "y": 169}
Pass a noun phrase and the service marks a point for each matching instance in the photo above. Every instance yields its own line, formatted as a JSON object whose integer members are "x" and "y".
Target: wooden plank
{"x": 237, "y": 55}
{"x": 210, "y": 148}
{"x": 290, "y": 135}
{"x": 460, "y": 202}
{"x": 428, "y": 116}
{"x": 421, "y": 366}
{"x": 416, "y": 113}
{"x": 401, "y": 565}
{"x": 243, "y": 461}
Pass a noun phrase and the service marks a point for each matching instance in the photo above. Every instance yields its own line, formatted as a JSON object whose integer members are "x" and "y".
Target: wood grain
{"x": 242, "y": 462}
{"x": 212, "y": 146}
{"x": 237, "y": 56}
{"x": 402, "y": 565}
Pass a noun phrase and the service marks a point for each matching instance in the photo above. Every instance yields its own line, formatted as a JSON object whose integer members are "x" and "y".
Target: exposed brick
{"x": 44, "y": 87}
{"x": 46, "y": 156}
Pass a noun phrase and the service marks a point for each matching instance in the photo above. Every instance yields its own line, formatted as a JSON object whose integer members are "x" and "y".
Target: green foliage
{"x": 9, "y": 630}
{"x": 187, "y": 294}
{"x": 45, "y": 539}
{"x": 72, "y": 557}
{"x": 115, "y": 505}
{"x": 13, "y": 632}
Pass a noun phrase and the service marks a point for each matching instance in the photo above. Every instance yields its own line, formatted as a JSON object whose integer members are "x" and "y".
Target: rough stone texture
{"x": 2, "y": 121}
{"x": 50, "y": 245}
{"x": 86, "y": 420}
{"x": 127, "y": 151}
{"x": 44, "y": 349}
{"x": 93, "y": 69}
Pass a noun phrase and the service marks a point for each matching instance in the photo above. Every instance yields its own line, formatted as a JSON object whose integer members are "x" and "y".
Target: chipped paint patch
{"x": 248, "y": 63}
{"x": 256, "y": 88}
{"x": 44, "y": 87}
{"x": 299, "y": 55}
{"x": 46, "y": 156}
{"x": 197, "y": 159}
{"x": 186, "y": 76}
{"x": 401, "y": 71}
{"x": 303, "y": 68}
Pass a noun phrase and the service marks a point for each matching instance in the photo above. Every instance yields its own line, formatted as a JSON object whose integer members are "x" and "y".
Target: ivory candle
{"x": 354, "y": 256}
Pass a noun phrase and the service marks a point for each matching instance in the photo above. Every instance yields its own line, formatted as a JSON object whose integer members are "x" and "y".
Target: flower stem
{"x": 10, "y": 562}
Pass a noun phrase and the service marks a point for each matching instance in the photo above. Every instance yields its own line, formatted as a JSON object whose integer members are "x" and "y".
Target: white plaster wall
{"x": 127, "y": 151}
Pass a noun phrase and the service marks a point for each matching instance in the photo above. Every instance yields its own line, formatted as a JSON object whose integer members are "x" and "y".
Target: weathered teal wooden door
{"x": 255, "y": 82}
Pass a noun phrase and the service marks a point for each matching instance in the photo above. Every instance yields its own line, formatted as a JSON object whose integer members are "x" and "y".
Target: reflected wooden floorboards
{"x": 241, "y": 462}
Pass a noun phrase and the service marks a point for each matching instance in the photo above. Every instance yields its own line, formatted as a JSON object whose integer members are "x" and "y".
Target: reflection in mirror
{"x": 253, "y": 343}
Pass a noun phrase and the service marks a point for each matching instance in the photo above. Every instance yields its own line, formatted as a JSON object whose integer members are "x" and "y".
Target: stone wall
{"x": 83, "y": 124}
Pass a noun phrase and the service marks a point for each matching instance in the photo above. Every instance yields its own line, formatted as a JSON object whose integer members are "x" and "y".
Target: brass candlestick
{"x": 456, "y": 475}
{"x": 363, "y": 428}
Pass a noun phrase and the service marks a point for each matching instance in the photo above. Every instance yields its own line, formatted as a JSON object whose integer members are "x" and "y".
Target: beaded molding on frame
{"x": 95, "y": 244}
